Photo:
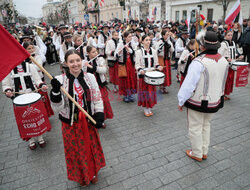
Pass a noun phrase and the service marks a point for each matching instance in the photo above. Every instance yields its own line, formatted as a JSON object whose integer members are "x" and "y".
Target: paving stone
{"x": 173, "y": 165}
{"x": 138, "y": 170}
{"x": 224, "y": 164}
{"x": 224, "y": 176}
{"x": 230, "y": 185}
{"x": 207, "y": 184}
{"x": 118, "y": 177}
{"x": 150, "y": 185}
{"x": 188, "y": 169}
{"x": 114, "y": 187}
{"x": 154, "y": 173}
{"x": 134, "y": 181}
{"x": 243, "y": 180}
{"x": 171, "y": 177}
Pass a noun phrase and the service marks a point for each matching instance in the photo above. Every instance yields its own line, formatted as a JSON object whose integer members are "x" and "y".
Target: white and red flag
{"x": 233, "y": 13}
{"x": 101, "y": 3}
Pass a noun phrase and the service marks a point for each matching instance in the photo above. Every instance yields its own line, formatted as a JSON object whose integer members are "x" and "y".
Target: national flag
{"x": 154, "y": 11}
{"x": 233, "y": 13}
{"x": 12, "y": 53}
{"x": 188, "y": 22}
{"x": 129, "y": 13}
{"x": 101, "y": 3}
{"x": 4, "y": 13}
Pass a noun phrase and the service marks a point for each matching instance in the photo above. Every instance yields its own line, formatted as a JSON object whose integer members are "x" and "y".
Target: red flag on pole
{"x": 12, "y": 53}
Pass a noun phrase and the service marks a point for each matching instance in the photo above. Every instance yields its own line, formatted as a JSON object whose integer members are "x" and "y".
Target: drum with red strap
{"x": 31, "y": 115}
{"x": 242, "y": 73}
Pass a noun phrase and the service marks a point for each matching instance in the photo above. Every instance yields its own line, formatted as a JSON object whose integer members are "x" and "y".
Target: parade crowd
{"x": 135, "y": 60}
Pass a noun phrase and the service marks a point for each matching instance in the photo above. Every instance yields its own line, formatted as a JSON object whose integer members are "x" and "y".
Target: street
{"x": 141, "y": 153}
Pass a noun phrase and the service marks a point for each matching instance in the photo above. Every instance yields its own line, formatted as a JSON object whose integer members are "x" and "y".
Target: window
{"x": 177, "y": 15}
{"x": 210, "y": 15}
{"x": 184, "y": 15}
{"x": 193, "y": 16}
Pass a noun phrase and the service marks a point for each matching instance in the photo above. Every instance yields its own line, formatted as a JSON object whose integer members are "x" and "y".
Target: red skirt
{"x": 128, "y": 85}
{"x": 167, "y": 72}
{"x": 230, "y": 82}
{"x": 50, "y": 111}
{"x": 108, "y": 113}
{"x": 146, "y": 94}
{"x": 113, "y": 74}
{"x": 182, "y": 80}
{"x": 83, "y": 151}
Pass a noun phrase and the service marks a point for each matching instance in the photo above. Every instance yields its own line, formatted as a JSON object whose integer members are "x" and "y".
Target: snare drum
{"x": 154, "y": 78}
{"x": 31, "y": 115}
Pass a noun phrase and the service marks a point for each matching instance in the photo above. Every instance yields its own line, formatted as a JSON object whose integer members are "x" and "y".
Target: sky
{"x": 30, "y": 8}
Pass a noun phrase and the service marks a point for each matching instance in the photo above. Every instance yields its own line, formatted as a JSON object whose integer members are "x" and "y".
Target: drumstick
{"x": 63, "y": 90}
{"x": 27, "y": 92}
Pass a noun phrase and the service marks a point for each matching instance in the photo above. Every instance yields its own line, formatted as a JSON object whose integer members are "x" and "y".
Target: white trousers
{"x": 199, "y": 131}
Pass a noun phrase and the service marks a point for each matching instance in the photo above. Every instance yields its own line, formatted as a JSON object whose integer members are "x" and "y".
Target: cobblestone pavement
{"x": 141, "y": 153}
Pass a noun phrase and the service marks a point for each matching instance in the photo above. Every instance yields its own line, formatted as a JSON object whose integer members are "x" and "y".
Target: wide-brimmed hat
{"x": 184, "y": 31}
{"x": 67, "y": 35}
{"x": 211, "y": 40}
{"x": 61, "y": 26}
{"x": 139, "y": 29}
{"x": 105, "y": 26}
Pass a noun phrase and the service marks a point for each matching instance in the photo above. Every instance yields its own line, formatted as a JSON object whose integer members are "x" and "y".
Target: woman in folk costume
{"x": 146, "y": 58}
{"x": 31, "y": 49}
{"x": 165, "y": 49}
{"x": 78, "y": 44}
{"x": 98, "y": 67}
{"x": 128, "y": 83}
{"x": 24, "y": 79}
{"x": 83, "y": 151}
{"x": 186, "y": 58}
{"x": 229, "y": 51}
{"x": 51, "y": 54}
{"x": 112, "y": 60}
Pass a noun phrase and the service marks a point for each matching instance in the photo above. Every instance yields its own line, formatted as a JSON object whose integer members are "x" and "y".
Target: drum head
{"x": 238, "y": 63}
{"x": 154, "y": 74}
{"x": 26, "y": 99}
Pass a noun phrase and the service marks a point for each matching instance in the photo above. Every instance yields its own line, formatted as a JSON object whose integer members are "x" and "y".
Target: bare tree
{"x": 224, "y": 4}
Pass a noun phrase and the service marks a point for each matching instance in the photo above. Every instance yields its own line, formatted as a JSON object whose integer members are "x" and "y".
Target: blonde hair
{"x": 76, "y": 36}
{"x": 239, "y": 27}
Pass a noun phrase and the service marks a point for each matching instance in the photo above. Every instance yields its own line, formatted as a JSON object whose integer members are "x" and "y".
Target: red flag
{"x": 12, "y": 53}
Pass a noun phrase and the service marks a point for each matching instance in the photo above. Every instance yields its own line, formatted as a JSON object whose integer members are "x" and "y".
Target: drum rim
{"x": 21, "y": 105}
{"x": 240, "y": 62}
{"x": 155, "y": 77}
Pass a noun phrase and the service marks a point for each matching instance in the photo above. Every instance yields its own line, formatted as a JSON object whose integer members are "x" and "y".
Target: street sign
{"x": 86, "y": 17}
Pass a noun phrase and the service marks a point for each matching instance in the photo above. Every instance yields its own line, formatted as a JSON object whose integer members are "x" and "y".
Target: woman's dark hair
{"x": 144, "y": 37}
{"x": 228, "y": 31}
{"x": 163, "y": 32}
{"x": 27, "y": 44}
{"x": 125, "y": 35}
{"x": 89, "y": 49}
{"x": 70, "y": 52}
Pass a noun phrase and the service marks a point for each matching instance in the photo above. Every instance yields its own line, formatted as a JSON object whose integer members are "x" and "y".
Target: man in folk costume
{"x": 179, "y": 48}
{"x": 165, "y": 49}
{"x": 136, "y": 39}
{"x": 24, "y": 79}
{"x": 157, "y": 34}
{"x": 60, "y": 39}
{"x": 111, "y": 48}
{"x": 102, "y": 40}
{"x": 202, "y": 92}
{"x": 66, "y": 45}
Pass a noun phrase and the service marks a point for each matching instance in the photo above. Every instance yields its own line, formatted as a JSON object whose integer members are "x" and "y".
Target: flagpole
{"x": 62, "y": 89}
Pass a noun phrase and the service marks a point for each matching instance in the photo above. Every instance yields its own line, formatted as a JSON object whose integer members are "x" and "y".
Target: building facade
{"x": 76, "y": 11}
{"x": 177, "y": 10}
{"x": 110, "y": 10}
